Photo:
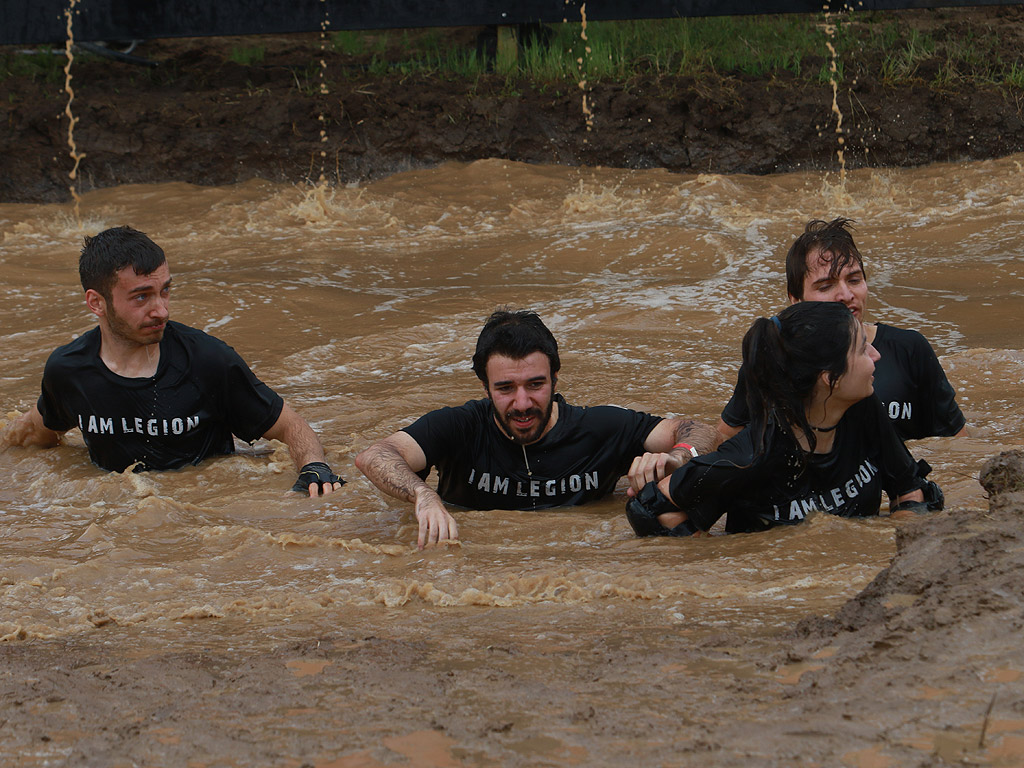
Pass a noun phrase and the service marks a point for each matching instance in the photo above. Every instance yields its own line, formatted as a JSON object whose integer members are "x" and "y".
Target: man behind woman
{"x": 817, "y": 440}
{"x": 806, "y": 433}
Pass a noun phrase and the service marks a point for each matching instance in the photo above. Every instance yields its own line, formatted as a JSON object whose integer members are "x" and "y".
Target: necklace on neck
{"x": 825, "y": 429}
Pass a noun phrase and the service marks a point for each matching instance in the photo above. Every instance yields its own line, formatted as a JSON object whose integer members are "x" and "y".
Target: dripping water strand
{"x": 588, "y": 116}
{"x": 76, "y": 156}
{"x": 316, "y": 196}
{"x": 833, "y": 73}
{"x": 322, "y": 180}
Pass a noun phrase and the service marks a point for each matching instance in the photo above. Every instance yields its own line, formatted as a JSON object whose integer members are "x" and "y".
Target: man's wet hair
{"x": 515, "y": 334}
{"x": 833, "y": 242}
{"x": 105, "y": 254}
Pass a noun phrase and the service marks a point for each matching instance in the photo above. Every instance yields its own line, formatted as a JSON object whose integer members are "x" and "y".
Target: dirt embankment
{"x": 200, "y": 117}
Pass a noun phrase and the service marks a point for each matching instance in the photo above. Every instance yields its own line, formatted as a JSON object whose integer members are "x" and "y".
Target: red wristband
{"x": 687, "y": 446}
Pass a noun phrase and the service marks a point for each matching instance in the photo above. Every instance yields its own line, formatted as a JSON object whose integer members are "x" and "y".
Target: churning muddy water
{"x": 209, "y": 616}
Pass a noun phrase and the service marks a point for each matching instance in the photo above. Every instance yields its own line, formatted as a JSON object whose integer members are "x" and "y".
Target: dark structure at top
{"x": 44, "y": 21}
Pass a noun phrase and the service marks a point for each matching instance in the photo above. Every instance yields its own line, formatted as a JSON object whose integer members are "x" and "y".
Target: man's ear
{"x": 793, "y": 299}
{"x": 95, "y": 302}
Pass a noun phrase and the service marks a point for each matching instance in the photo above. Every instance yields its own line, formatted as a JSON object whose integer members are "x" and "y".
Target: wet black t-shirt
{"x": 201, "y": 394}
{"x": 785, "y": 484}
{"x": 909, "y": 380}
{"x": 580, "y": 459}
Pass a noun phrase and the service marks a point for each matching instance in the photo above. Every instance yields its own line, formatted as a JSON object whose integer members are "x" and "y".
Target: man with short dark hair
{"x": 523, "y": 446}
{"x": 823, "y": 264}
{"x": 151, "y": 393}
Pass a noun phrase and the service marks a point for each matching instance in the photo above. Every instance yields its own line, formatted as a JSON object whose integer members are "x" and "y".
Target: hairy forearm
{"x": 292, "y": 430}
{"x": 701, "y": 436}
{"x": 387, "y": 469}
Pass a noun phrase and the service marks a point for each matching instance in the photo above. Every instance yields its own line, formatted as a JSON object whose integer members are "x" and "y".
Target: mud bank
{"x": 202, "y": 118}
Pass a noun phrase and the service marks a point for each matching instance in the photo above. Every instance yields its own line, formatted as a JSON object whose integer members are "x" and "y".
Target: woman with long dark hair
{"x": 817, "y": 440}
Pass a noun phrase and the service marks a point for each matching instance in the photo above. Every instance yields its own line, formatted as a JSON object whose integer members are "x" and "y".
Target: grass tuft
{"x": 247, "y": 55}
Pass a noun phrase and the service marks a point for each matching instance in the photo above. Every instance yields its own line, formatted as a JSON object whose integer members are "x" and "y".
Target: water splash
{"x": 76, "y": 156}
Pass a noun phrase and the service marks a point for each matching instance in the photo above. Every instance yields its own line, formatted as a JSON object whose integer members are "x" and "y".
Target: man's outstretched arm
{"x": 663, "y": 457}
{"x": 28, "y": 430}
{"x": 391, "y": 465}
{"x": 306, "y": 451}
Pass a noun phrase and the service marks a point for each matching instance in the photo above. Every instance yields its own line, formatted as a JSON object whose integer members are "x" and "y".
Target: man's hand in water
{"x": 436, "y": 522}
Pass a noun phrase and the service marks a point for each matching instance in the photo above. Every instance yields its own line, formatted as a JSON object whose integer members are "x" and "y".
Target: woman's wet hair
{"x": 783, "y": 358}
{"x": 107, "y": 253}
{"x": 833, "y": 242}
{"x": 514, "y": 334}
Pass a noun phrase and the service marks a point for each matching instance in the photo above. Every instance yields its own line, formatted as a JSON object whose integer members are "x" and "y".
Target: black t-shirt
{"x": 785, "y": 484}
{"x": 580, "y": 459}
{"x": 201, "y": 394}
{"x": 909, "y": 381}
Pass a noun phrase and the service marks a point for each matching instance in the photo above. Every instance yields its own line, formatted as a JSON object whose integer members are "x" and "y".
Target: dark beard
{"x": 534, "y": 435}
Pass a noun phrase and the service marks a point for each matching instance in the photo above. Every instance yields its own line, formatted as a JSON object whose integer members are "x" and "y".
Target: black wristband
{"x": 315, "y": 472}
{"x": 643, "y": 509}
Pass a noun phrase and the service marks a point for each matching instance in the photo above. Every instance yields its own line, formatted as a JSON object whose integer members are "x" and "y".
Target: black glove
{"x": 315, "y": 472}
{"x": 643, "y": 509}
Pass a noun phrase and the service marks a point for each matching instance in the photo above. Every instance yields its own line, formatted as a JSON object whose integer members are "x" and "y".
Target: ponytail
{"x": 783, "y": 357}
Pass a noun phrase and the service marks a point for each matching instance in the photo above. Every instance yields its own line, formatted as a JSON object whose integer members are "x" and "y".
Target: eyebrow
{"x": 534, "y": 380}
{"x": 145, "y": 288}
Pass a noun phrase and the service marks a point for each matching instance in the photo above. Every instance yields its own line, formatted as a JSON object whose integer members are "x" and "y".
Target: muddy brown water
{"x": 361, "y": 306}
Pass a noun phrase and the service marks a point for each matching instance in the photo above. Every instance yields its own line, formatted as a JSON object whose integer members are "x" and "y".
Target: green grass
{"x": 730, "y": 46}
{"x": 1015, "y": 76}
{"x": 42, "y": 65}
{"x": 247, "y": 55}
{"x": 790, "y": 45}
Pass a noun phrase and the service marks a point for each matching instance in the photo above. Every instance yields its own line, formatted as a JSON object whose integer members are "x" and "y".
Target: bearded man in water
{"x": 523, "y": 446}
